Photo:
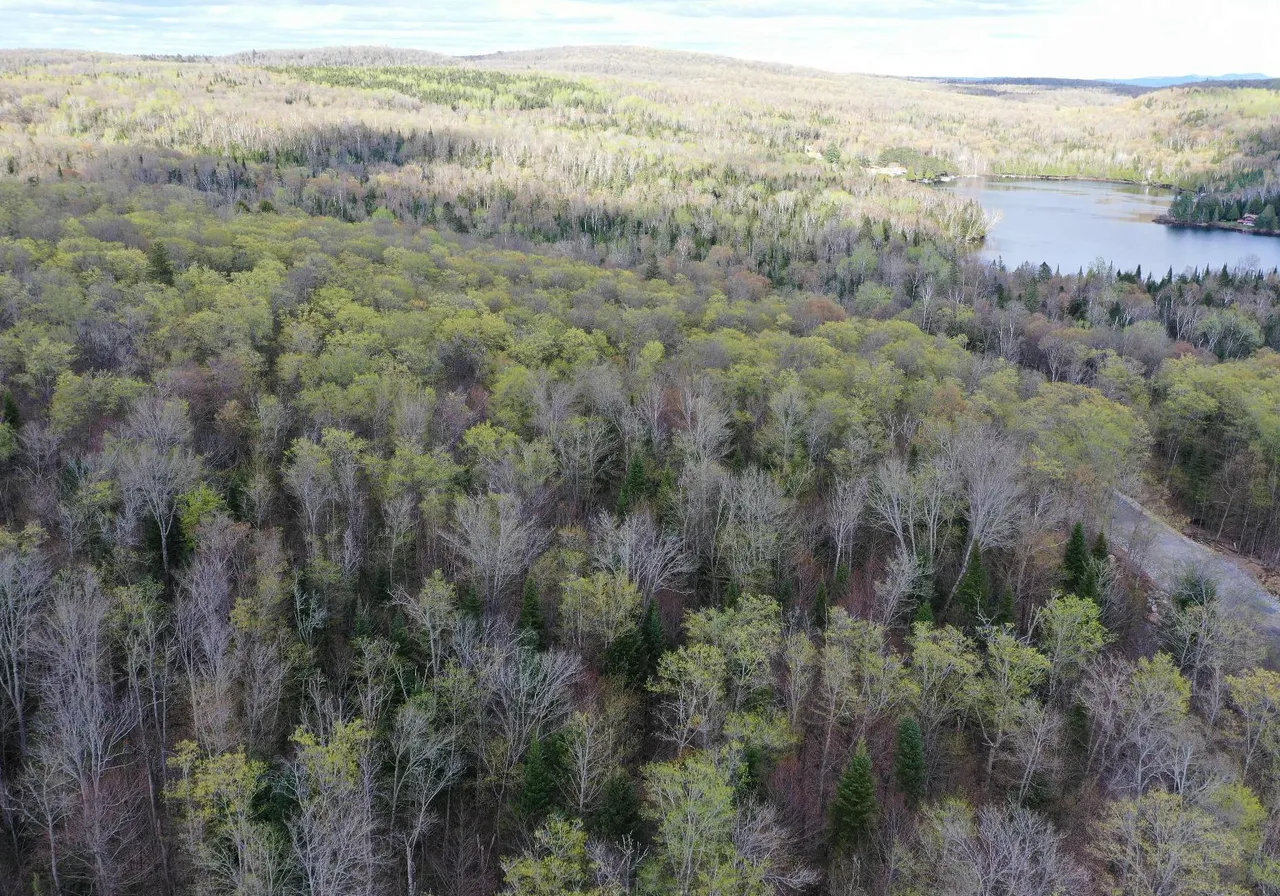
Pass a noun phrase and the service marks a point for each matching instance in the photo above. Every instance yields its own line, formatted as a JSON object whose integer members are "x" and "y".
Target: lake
{"x": 1070, "y": 224}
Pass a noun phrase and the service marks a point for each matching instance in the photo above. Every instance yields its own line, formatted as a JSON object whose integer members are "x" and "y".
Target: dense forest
{"x": 426, "y": 478}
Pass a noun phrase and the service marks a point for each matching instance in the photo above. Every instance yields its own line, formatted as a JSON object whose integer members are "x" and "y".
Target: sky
{"x": 961, "y": 38}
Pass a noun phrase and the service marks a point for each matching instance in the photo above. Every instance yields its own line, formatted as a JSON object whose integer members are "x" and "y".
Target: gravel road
{"x": 1164, "y": 554}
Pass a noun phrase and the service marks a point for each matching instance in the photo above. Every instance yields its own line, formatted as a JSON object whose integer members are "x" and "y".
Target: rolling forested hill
{"x": 576, "y": 472}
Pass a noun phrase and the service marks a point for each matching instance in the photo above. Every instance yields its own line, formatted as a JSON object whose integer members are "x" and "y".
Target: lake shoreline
{"x": 1070, "y": 178}
{"x": 1229, "y": 226}
{"x": 1070, "y": 225}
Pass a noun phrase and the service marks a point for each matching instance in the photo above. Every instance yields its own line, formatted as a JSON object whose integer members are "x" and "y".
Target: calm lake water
{"x": 1070, "y": 224}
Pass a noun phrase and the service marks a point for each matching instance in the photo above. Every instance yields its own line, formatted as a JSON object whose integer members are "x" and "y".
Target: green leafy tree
{"x": 194, "y": 507}
{"x": 1071, "y": 633}
{"x": 558, "y": 864}
{"x": 222, "y": 831}
{"x": 1163, "y": 845}
{"x": 1002, "y": 699}
{"x": 909, "y": 765}
{"x": 690, "y": 802}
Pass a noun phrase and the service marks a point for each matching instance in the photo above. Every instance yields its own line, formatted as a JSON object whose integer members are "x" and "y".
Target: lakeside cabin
{"x": 1248, "y": 220}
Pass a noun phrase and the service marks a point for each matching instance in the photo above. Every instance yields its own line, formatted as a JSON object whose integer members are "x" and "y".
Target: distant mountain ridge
{"x": 627, "y": 61}
{"x": 1175, "y": 80}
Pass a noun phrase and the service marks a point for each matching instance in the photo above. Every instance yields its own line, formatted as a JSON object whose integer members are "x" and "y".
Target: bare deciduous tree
{"x": 155, "y": 465}
{"x": 892, "y": 591}
{"x": 704, "y": 425}
{"x": 990, "y": 472}
{"x": 594, "y": 742}
{"x": 755, "y": 527}
{"x": 334, "y": 832}
{"x": 637, "y": 548}
{"x": 1012, "y": 851}
{"x": 845, "y": 507}
{"x": 82, "y": 730}
{"x": 24, "y": 574}
{"x": 497, "y": 538}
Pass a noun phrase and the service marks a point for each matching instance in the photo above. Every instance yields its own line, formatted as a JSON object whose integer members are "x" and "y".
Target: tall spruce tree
{"x": 1075, "y": 562}
{"x": 159, "y": 266}
{"x": 908, "y": 764}
{"x": 1101, "y": 550}
{"x": 533, "y": 628}
{"x": 618, "y": 813}
{"x": 538, "y": 792}
{"x": 974, "y": 590}
{"x": 853, "y": 812}
{"x": 469, "y": 602}
{"x": 634, "y": 486}
{"x": 634, "y": 654}
{"x": 821, "y": 606}
{"x": 9, "y": 412}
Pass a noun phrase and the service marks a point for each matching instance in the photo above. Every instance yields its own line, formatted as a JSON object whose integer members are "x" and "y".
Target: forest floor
{"x": 1164, "y": 554}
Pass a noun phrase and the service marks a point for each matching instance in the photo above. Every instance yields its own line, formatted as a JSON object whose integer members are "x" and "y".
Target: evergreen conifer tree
{"x": 9, "y": 413}
{"x": 159, "y": 267}
{"x": 469, "y": 602}
{"x": 1101, "y": 550}
{"x": 634, "y": 486}
{"x": 655, "y": 640}
{"x": 908, "y": 765}
{"x": 821, "y": 606}
{"x": 1075, "y": 562}
{"x": 853, "y": 812}
{"x": 538, "y": 792}
{"x": 618, "y": 814}
{"x": 634, "y": 654}
{"x": 924, "y": 611}
{"x": 974, "y": 590}
{"x": 1007, "y": 611}
{"x": 533, "y": 628}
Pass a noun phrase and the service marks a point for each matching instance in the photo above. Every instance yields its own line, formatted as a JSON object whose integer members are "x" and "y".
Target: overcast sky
{"x": 1049, "y": 38}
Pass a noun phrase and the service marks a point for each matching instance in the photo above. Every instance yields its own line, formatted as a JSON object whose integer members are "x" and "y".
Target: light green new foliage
{"x": 1000, "y": 702}
{"x": 558, "y": 864}
{"x": 1162, "y": 845}
{"x": 1255, "y": 694}
{"x": 234, "y": 852}
{"x": 690, "y": 682}
{"x": 595, "y": 611}
{"x": 690, "y": 802}
{"x": 944, "y": 667}
{"x": 1071, "y": 632}
{"x": 749, "y": 634}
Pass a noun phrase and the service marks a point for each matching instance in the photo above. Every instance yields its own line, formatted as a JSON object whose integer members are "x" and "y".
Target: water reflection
{"x": 1070, "y": 224}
